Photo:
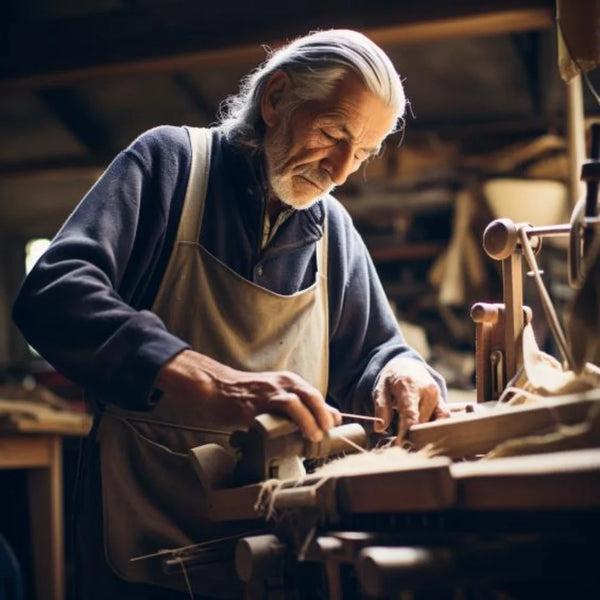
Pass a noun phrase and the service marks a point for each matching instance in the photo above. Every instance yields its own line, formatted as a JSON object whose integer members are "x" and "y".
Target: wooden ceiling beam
{"x": 493, "y": 23}
{"x": 72, "y": 112}
{"x": 196, "y": 96}
{"x": 496, "y": 22}
{"x": 61, "y": 167}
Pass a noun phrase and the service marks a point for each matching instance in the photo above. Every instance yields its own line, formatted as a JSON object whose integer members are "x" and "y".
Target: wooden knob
{"x": 483, "y": 312}
{"x": 384, "y": 570}
{"x": 500, "y": 238}
{"x": 259, "y": 557}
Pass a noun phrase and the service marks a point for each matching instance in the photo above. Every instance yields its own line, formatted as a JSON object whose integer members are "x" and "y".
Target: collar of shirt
{"x": 269, "y": 229}
{"x": 251, "y": 183}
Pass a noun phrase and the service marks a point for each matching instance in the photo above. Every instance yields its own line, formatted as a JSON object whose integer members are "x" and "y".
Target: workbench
{"x": 430, "y": 525}
{"x": 35, "y": 445}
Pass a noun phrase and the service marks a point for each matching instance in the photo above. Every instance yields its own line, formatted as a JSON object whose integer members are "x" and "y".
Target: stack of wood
{"x": 39, "y": 410}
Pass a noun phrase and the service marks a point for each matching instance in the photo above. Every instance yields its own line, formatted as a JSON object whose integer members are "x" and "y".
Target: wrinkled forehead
{"x": 355, "y": 109}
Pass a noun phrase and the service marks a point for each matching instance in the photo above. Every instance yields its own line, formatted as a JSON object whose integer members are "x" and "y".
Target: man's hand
{"x": 220, "y": 395}
{"x": 407, "y": 386}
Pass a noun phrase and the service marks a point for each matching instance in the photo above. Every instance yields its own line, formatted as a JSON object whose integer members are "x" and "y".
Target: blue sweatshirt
{"x": 86, "y": 305}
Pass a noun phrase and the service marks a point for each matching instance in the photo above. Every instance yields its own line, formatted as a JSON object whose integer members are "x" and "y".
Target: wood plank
{"x": 24, "y": 452}
{"x": 416, "y": 484}
{"x": 234, "y": 504}
{"x": 479, "y": 432}
{"x": 493, "y": 23}
{"x": 80, "y": 428}
{"x": 35, "y": 417}
{"x": 425, "y": 486}
{"x": 558, "y": 480}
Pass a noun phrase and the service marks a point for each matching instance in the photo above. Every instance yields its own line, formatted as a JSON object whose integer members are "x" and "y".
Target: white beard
{"x": 281, "y": 184}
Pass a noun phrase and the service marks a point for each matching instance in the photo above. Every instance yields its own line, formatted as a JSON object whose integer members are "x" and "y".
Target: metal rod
{"x": 547, "y": 305}
{"x": 561, "y": 230}
{"x": 548, "y": 230}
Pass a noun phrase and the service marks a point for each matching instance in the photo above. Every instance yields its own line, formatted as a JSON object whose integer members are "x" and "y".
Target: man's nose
{"x": 339, "y": 164}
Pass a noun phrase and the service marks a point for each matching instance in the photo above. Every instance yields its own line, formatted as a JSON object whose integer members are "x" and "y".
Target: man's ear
{"x": 276, "y": 90}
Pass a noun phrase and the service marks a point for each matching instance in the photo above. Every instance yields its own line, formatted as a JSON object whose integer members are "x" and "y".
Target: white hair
{"x": 314, "y": 64}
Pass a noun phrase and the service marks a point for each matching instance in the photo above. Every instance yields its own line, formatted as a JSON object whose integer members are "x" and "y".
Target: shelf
{"x": 403, "y": 251}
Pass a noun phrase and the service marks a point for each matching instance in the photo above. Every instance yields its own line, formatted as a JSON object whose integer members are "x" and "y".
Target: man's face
{"x": 323, "y": 142}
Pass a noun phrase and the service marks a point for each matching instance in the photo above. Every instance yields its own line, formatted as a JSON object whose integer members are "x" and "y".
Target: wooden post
{"x": 47, "y": 533}
{"x": 576, "y": 138}
{"x": 512, "y": 282}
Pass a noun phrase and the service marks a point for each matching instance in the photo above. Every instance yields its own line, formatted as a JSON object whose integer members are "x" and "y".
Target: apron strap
{"x": 322, "y": 247}
{"x": 195, "y": 195}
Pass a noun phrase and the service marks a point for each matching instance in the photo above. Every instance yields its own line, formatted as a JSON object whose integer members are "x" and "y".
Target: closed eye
{"x": 360, "y": 156}
{"x": 330, "y": 137}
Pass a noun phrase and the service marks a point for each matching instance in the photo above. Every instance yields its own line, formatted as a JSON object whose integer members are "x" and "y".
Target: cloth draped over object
{"x": 578, "y": 31}
{"x": 543, "y": 375}
{"x": 460, "y": 269}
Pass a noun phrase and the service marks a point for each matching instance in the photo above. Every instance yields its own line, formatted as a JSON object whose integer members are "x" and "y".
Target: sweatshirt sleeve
{"x": 364, "y": 333}
{"x": 75, "y": 307}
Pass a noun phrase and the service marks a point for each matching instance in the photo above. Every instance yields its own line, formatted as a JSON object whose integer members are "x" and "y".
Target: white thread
{"x": 177, "y": 551}
{"x": 307, "y": 540}
{"x": 353, "y": 444}
{"x": 185, "y": 576}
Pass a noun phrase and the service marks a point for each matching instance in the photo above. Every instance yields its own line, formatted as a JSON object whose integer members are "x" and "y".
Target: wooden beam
{"x": 195, "y": 94}
{"x": 61, "y": 167}
{"x": 491, "y": 23}
{"x": 490, "y": 425}
{"x": 73, "y": 113}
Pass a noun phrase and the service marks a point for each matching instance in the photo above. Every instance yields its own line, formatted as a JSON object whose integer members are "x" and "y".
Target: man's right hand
{"x": 224, "y": 396}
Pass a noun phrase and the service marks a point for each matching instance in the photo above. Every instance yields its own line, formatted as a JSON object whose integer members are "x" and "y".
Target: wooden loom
{"x": 429, "y": 526}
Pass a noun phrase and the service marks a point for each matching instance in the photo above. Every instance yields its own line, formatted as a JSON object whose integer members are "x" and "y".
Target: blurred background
{"x": 489, "y": 133}
{"x": 486, "y": 134}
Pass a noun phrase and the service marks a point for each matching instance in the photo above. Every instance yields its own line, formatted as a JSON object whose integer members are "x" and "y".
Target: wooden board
{"x": 558, "y": 480}
{"x": 479, "y": 432}
{"x": 419, "y": 484}
{"x": 234, "y": 504}
{"x": 33, "y": 417}
{"x": 422, "y": 485}
{"x": 25, "y": 452}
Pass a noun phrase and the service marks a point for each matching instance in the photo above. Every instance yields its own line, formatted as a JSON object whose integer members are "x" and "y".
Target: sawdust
{"x": 388, "y": 458}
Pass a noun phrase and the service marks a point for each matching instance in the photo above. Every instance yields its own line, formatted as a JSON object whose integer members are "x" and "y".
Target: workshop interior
{"x": 481, "y": 216}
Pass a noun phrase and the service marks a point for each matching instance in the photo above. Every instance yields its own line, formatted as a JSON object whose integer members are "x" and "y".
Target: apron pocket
{"x": 152, "y": 500}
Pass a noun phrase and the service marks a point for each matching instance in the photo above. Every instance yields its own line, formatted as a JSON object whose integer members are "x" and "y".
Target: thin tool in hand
{"x": 363, "y": 417}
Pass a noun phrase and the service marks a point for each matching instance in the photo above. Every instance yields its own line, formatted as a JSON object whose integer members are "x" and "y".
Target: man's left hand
{"x": 406, "y": 385}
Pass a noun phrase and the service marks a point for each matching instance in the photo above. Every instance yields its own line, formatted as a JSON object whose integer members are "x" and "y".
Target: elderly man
{"x": 208, "y": 277}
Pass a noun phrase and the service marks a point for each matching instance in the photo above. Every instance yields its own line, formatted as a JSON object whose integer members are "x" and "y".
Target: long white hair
{"x": 314, "y": 63}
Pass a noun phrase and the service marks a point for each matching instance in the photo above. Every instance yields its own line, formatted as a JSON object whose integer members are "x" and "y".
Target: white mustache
{"x": 320, "y": 178}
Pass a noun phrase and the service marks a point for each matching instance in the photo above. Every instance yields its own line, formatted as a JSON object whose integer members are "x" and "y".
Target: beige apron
{"x": 151, "y": 497}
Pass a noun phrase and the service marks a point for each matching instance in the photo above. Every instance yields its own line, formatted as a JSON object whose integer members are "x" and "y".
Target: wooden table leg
{"x": 47, "y": 532}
